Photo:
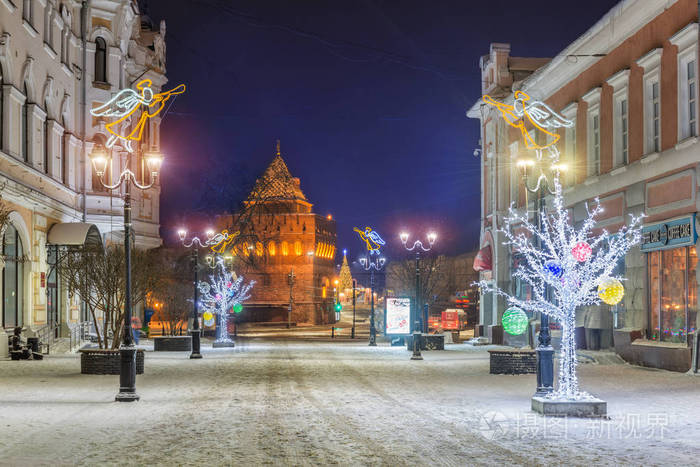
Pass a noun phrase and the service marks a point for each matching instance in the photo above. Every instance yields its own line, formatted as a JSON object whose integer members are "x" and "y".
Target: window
{"x": 272, "y": 248}
{"x": 259, "y": 250}
{"x": 62, "y": 158}
{"x": 284, "y": 246}
{"x": 570, "y": 154}
{"x": 687, "y": 42}
{"x": 297, "y": 248}
{"x": 100, "y": 60}
{"x": 692, "y": 99}
{"x": 624, "y": 132}
{"x": 25, "y": 126}
{"x": 672, "y": 294}
{"x": 12, "y": 278}
{"x": 514, "y": 174}
{"x": 655, "y": 118}
{"x": 594, "y": 150}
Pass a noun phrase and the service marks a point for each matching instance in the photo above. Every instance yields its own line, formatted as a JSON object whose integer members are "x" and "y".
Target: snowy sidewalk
{"x": 288, "y": 402}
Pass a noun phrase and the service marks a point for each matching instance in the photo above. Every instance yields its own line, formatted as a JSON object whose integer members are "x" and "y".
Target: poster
{"x": 398, "y": 316}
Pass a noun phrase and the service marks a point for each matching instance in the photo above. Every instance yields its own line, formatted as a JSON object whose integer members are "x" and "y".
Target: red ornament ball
{"x": 581, "y": 251}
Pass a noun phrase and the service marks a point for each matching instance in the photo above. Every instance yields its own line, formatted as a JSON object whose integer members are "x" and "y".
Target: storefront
{"x": 671, "y": 277}
{"x": 13, "y": 260}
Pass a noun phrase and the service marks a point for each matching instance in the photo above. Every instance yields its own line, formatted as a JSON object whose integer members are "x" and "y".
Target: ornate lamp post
{"x": 127, "y": 350}
{"x": 545, "y": 352}
{"x": 195, "y": 243}
{"x": 372, "y": 265}
{"x": 418, "y": 247}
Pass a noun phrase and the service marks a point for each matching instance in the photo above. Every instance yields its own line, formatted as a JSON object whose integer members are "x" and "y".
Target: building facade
{"x": 629, "y": 84}
{"x": 58, "y": 60}
{"x": 286, "y": 248}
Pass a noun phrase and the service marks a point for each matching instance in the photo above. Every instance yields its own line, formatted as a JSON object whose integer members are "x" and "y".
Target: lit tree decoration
{"x": 585, "y": 262}
{"x": 223, "y": 292}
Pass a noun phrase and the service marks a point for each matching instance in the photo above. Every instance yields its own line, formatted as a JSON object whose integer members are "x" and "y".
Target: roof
{"x": 277, "y": 183}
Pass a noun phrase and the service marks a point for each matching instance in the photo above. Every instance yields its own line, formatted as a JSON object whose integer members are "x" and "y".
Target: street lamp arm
{"x": 418, "y": 244}
{"x": 126, "y": 176}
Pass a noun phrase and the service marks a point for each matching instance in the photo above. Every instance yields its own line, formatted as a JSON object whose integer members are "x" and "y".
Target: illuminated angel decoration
{"x": 539, "y": 115}
{"x": 125, "y": 104}
{"x": 371, "y": 238}
{"x": 222, "y": 240}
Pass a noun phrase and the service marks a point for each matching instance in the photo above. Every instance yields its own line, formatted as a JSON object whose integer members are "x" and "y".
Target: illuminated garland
{"x": 223, "y": 292}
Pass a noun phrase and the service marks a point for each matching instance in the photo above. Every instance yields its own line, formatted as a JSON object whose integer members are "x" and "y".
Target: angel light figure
{"x": 539, "y": 115}
{"x": 125, "y": 104}
{"x": 372, "y": 239}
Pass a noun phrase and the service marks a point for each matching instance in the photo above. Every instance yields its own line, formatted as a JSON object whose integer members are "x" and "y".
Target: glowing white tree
{"x": 573, "y": 264}
{"x": 223, "y": 291}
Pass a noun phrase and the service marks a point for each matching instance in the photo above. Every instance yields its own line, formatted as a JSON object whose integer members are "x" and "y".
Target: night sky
{"x": 368, "y": 99}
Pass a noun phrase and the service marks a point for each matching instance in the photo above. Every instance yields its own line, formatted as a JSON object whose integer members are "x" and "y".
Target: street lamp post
{"x": 418, "y": 247}
{"x": 354, "y": 285}
{"x": 195, "y": 243}
{"x": 545, "y": 352}
{"x": 127, "y": 349}
{"x": 372, "y": 266}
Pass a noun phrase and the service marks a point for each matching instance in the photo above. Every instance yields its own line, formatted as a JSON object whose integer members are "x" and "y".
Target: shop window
{"x": 12, "y": 278}
{"x": 672, "y": 294}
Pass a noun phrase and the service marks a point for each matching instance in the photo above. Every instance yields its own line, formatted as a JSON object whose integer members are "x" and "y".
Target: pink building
{"x": 630, "y": 85}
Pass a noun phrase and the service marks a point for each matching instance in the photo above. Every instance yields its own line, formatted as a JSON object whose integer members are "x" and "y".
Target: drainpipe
{"x": 83, "y": 93}
{"x": 695, "y": 367}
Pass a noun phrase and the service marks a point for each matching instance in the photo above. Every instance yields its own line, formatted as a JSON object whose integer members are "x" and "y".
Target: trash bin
{"x": 33, "y": 343}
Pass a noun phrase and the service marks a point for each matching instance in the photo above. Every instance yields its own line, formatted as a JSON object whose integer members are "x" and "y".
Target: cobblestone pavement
{"x": 294, "y": 402}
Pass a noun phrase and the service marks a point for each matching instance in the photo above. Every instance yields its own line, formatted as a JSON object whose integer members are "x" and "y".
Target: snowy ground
{"x": 295, "y": 402}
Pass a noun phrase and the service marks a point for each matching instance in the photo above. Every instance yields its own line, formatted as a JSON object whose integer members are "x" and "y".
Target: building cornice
{"x": 592, "y": 97}
{"x": 619, "y": 80}
{"x": 685, "y": 37}
{"x": 651, "y": 60}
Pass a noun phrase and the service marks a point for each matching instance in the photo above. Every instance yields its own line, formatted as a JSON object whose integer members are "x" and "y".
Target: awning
{"x": 482, "y": 261}
{"x": 74, "y": 233}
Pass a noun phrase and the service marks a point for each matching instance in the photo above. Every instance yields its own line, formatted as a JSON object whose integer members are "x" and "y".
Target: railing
{"x": 78, "y": 334}
{"x": 47, "y": 335}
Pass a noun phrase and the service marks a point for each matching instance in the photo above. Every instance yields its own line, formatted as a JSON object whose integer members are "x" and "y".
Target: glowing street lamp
{"x": 373, "y": 242}
{"x": 100, "y": 160}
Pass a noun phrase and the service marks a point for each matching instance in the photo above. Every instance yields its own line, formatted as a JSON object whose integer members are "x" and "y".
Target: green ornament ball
{"x": 514, "y": 321}
{"x": 237, "y": 308}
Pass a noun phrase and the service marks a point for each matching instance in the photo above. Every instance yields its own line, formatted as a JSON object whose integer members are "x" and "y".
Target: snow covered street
{"x": 291, "y": 402}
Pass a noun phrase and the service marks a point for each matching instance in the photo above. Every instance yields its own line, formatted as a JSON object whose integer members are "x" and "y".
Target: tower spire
{"x": 278, "y": 147}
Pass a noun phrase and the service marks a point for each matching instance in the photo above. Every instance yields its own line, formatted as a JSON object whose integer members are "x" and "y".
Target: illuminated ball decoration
{"x": 338, "y": 307}
{"x": 514, "y": 321}
{"x": 237, "y": 308}
{"x": 611, "y": 291}
{"x": 553, "y": 268}
{"x": 207, "y": 316}
{"x": 581, "y": 251}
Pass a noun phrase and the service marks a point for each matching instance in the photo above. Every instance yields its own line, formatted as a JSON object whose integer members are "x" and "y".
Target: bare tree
{"x": 401, "y": 278}
{"x": 97, "y": 276}
{"x": 176, "y": 299}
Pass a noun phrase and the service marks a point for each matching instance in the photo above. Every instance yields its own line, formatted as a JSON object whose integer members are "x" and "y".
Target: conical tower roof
{"x": 277, "y": 183}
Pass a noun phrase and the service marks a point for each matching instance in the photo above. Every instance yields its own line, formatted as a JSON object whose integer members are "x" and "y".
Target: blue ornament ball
{"x": 553, "y": 268}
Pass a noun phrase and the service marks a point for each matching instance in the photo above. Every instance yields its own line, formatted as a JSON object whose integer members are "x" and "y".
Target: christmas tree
{"x": 224, "y": 291}
{"x": 345, "y": 277}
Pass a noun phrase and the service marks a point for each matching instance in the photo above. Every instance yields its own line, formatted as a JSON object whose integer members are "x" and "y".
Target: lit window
{"x": 284, "y": 246}
{"x": 272, "y": 248}
{"x": 297, "y": 248}
{"x": 259, "y": 251}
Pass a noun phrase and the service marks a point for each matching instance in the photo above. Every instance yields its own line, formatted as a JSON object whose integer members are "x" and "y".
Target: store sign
{"x": 398, "y": 316}
{"x": 450, "y": 319}
{"x": 671, "y": 234}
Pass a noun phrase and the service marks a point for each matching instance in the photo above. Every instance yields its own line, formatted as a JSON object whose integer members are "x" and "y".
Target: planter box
{"x": 512, "y": 362}
{"x": 105, "y": 362}
{"x": 172, "y": 344}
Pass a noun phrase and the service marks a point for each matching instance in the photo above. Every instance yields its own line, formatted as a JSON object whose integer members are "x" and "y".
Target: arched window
{"x": 259, "y": 249}
{"x": 28, "y": 11}
{"x": 246, "y": 250}
{"x": 272, "y": 248}
{"x": 12, "y": 278}
{"x": 284, "y": 246}
{"x": 297, "y": 248}
{"x": 24, "y": 125}
{"x": 100, "y": 60}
